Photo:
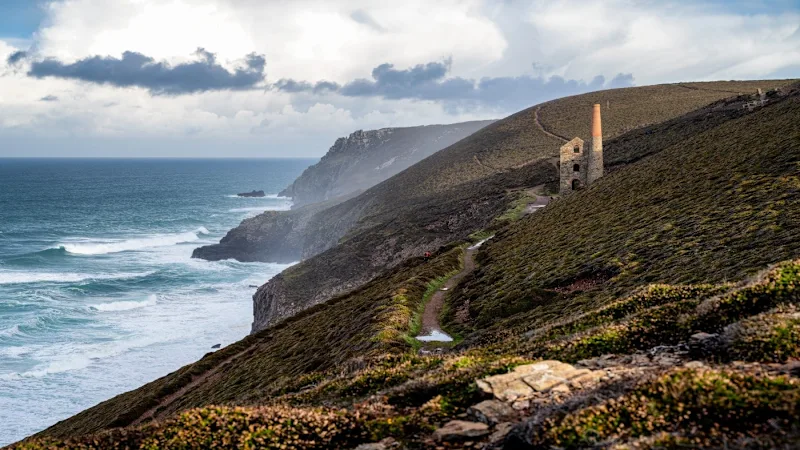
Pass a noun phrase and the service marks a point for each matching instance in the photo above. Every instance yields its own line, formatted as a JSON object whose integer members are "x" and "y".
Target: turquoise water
{"x": 98, "y": 293}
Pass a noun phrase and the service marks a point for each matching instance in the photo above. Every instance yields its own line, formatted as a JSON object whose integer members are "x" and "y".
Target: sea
{"x": 98, "y": 290}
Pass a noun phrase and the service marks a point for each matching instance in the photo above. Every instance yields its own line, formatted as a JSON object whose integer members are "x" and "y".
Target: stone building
{"x": 581, "y": 167}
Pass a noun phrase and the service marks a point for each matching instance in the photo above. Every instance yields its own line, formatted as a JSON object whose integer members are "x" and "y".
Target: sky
{"x": 280, "y": 78}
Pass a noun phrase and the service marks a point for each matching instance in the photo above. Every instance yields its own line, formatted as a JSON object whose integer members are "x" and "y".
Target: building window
{"x": 576, "y": 184}
{"x": 577, "y": 149}
{"x": 576, "y": 168}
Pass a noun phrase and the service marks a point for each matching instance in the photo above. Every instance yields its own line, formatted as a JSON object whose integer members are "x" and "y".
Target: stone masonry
{"x": 580, "y": 167}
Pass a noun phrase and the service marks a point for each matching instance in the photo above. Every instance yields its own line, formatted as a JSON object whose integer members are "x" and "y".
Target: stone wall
{"x": 570, "y": 158}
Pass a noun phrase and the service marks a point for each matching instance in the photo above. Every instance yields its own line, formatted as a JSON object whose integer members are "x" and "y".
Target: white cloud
{"x": 339, "y": 41}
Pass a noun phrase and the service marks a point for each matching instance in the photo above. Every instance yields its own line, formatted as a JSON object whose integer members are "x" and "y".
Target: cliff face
{"x": 366, "y": 158}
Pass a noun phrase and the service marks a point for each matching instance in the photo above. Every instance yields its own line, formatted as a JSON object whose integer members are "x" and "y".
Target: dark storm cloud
{"x": 429, "y": 82}
{"x": 49, "y": 98}
{"x": 16, "y": 57}
{"x": 160, "y": 78}
{"x": 363, "y": 17}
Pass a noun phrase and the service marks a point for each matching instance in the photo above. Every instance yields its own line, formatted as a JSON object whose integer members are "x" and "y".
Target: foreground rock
{"x": 251, "y": 194}
{"x": 460, "y": 430}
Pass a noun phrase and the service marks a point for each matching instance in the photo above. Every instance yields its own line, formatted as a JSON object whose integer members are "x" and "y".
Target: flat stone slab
{"x": 461, "y": 430}
{"x": 542, "y": 377}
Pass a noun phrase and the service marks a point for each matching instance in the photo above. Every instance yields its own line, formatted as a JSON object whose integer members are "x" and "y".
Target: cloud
{"x": 160, "y": 78}
{"x": 292, "y": 86}
{"x": 430, "y": 82}
{"x": 49, "y": 98}
{"x": 363, "y": 17}
{"x": 16, "y": 57}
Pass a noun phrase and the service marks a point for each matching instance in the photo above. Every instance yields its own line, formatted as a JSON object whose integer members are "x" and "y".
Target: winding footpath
{"x": 541, "y": 127}
{"x": 431, "y": 329}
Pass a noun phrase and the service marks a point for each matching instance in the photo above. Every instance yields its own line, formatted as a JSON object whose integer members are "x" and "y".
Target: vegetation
{"x": 460, "y": 189}
{"x": 717, "y": 216}
{"x": 696, "y": 408}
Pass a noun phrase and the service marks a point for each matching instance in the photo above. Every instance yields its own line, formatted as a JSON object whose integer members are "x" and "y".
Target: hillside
{"x": 365, "y": 158}
{"x": 615, "y": 281}
{"x": 455, "y": 192}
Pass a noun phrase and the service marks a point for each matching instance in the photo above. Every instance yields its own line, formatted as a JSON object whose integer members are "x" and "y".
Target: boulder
{"x": 460, "y": 430}
{"x": 492, "y": 412}
{"x": 500, "y": 433}
{"x": 703, "y": 344}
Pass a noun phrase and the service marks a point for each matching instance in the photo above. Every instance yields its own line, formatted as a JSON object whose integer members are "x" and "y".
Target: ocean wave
{"x": 46, "y": 277}
{"x": 13, "y": 331}
{"x": 125, "y": 305}
{"x": 102, "y": 248}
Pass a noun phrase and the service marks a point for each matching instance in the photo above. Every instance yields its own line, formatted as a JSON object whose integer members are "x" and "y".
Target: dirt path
{"x": 430, "y": 317}
{"x": 152, "y": 413}
{"x": 541, "y": 127}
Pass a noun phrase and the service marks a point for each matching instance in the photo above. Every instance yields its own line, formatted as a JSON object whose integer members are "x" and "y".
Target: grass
{"x": 415, "y": 327}
{"x": 459, "y": 190}
{"x": 708, "y": 223}
{"x": 704, "y": 408}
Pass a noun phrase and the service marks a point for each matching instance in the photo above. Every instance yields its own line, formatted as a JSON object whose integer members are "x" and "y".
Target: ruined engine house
{"x": 580, "y": 167}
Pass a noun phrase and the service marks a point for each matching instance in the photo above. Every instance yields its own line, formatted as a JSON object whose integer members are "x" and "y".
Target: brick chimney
{"x": 596, "y": 156}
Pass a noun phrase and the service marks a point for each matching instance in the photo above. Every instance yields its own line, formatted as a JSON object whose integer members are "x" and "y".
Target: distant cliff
{"x": 352, "y": 165}
{"x": 366, "y": 158}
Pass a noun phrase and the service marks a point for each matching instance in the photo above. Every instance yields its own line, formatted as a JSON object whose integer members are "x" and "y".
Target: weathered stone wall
{"x": 569, "y": 159}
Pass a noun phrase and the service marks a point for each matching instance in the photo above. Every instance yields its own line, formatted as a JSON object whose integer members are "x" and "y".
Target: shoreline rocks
{"x": 252, "y": 194}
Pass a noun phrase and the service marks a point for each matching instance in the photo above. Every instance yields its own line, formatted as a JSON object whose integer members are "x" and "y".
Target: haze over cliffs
{"x": 366, "y": 158}
{"x": 352, "y": 164}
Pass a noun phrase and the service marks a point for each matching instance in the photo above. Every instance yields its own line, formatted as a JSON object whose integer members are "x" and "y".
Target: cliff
{"x": 365, "y": 158}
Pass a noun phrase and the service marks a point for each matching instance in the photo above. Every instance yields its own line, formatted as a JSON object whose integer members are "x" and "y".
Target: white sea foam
{"x": 15, "y": 277}
{"x": 12, "y": 331}
{"x": 125, "y": 305}
{"x": 102, "y": 248}
{"x": 262, "y": 208}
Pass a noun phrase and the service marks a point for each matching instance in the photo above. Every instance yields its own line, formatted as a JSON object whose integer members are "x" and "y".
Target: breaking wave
{"x": 40, "y": 277}
{"x": 102, "y": 248}
{"x": 125, "y": 305}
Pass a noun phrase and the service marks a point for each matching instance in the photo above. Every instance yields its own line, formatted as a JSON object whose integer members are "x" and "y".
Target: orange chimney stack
{"x": 597, "y": 129}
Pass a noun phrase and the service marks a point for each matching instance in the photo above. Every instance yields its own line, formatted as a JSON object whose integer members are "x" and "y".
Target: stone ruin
{"x": 581, "y": 167}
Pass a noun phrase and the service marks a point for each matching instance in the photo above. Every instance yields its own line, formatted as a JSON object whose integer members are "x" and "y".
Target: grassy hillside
{"x": 662, "y": 248}
{"x": 715, "y": 207}
{"x": 456, "y": 191}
